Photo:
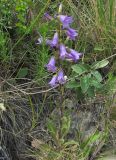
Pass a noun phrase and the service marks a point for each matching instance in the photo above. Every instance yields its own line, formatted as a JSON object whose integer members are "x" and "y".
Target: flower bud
{"x": 60, "y": 8}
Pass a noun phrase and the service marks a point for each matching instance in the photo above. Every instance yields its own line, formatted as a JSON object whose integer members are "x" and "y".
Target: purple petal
{"x": 76, "y": 55}
{"x": 65, "y": 20}
{"x": 53, "y": 81}
{"x": 71, "y": 33}
{"x": 51, "y": 65}
{"x": 69, "y": 57}
{"x": 54, "y": 41}
{"x": 60, "y": 78}
{"x": 62, "y": 52}
{"x": 47, "y": 16}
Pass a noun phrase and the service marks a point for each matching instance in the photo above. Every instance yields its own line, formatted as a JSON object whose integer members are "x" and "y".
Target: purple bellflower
{"x": 61, "y": 78}
{"x": 51, "y": 65}
{"x": 65, "y": 20}
{"x": 71, "y": 33}
{"x": 63, "y": 52}
{"x": 69, "y": 57}
{"x": 53, "y": 81}
{"x": 47, "y": 16}
{"x": 54, "y": 41}
{"x": 73, "y": 55}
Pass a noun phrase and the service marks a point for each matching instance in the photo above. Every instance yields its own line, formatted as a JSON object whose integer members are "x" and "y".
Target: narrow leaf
{"x": 99, "y": 64}
{"x": 85, "y": 82}
{"x": 51, "y": 127}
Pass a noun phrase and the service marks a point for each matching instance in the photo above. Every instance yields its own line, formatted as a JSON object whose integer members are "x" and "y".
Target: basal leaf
{"x": 51, "y": 127}
{"x": 22, "y": 72}
{"x": 91, "y": 91}
{"x": 66, "y": 121}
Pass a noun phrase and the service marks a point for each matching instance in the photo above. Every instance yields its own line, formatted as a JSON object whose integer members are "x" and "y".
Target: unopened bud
{"x": 60, "y": 8}
{"x": 65, "y": 77}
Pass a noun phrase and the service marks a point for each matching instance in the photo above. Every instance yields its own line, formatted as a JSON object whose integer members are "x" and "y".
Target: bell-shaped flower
{"x": 69, "y": 57}
{"x": 71, "y": 33}
{"x": 60, "y": 77}
{"x": 53, "y": 81}
{"x": 63, "y": 52}
{"x": 65, "y": 20}
{"x": 51, "y": 65}
{"x": 73, "y": 55}
{"x": 47, "y": 16}
{"x": 54, "y": 41}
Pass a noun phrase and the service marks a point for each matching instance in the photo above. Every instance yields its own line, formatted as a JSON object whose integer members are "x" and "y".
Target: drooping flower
{"x": 53, "y": 81}
{"x": 47, "y": 16}
{"x": 54, "y": 41}
{"x": 63, "y": 52}
{"x": 74, "y": 55}
{"x": 69, "y": 57}
{"x": 61, "y": 78}
{"x": 65, "y": 20}
{"x": 71, "y": 33}
{"x": 51, "y": 65}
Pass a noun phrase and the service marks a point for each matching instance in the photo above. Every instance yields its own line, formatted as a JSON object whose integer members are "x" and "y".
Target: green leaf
{"x": 66, "y": 122}
{"x": 97, "y": 75}
{"x": 91, "y": 91}
{"x": 99, "y": 64}
{"x": 99, "y": 48}
{"x": 79, "y": 93}
{"x": 80, "y": 68}
{"x": 87, "y": 145}
{"x": 44, "y": 28}
{"x": 72, "y": 84}
{"x": 95, "y": 83}
{"x": 51, "y": 128}
{"x": 22, "y": 72}
{"x": 85, "y": 82}
{"x": 70, "y": 142}
{"x": 93, "y": 138}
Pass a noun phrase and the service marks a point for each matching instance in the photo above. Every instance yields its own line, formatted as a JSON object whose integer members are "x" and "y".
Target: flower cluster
{"x": 64, "y": 53}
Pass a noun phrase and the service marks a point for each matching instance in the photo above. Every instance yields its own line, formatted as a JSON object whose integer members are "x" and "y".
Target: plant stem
{"x": 61, "y": 109}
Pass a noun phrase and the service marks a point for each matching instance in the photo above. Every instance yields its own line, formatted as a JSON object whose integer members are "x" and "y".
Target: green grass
{"x": 96, "y": 21}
